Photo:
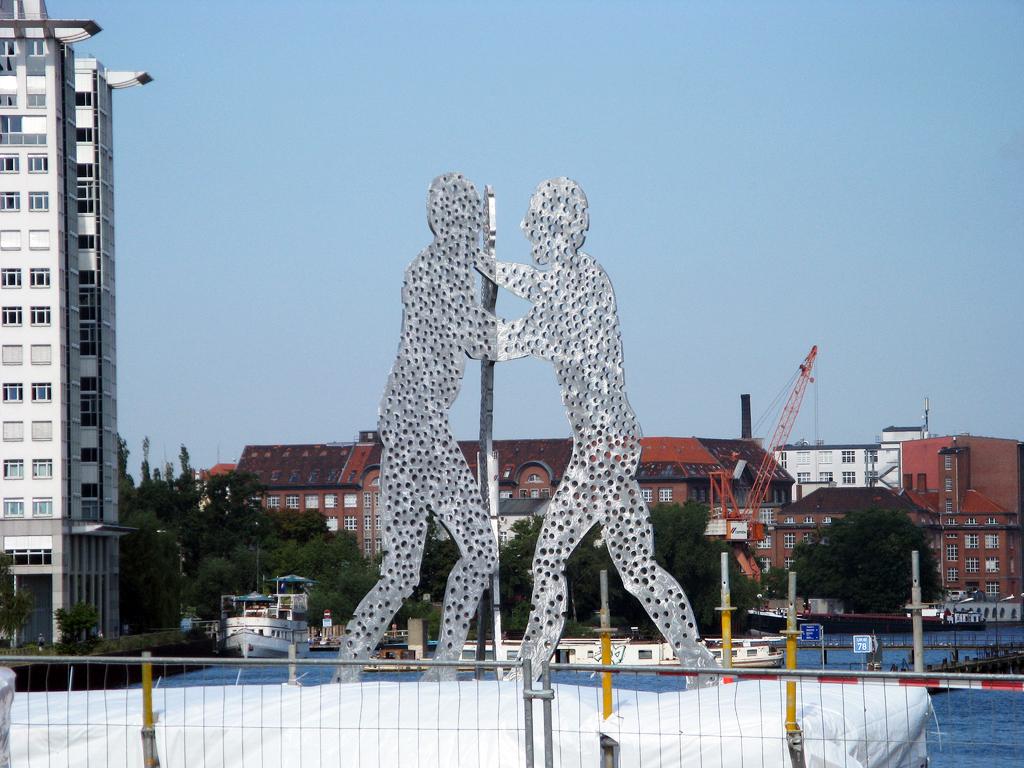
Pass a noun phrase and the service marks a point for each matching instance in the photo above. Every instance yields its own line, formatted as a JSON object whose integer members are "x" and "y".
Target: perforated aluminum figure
{"x": 422, "y": 468}
{"x": 573, "y": 324}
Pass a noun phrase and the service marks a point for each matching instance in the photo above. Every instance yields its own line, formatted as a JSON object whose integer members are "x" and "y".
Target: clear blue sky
{"x": 762, "y": 177}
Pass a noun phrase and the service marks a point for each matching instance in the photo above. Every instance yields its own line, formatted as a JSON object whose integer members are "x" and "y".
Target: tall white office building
{"x": 57, "y": 330}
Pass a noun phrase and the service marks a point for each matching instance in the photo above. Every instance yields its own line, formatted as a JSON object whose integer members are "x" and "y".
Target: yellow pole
{"x": 791, "y": 635}
{"x": 606, "y": 649}
{"x": 149, "y": 755}
{"x": 726, "y": 610}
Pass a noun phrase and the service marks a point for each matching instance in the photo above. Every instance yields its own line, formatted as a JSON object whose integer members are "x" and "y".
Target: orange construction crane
{"x": 741, "y": 523}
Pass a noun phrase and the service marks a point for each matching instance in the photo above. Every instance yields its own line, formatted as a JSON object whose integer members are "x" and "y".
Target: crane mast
{"x": 737, "y": 522}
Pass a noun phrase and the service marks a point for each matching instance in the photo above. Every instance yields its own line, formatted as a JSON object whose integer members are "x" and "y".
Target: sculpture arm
{"x": 514, "y": 338}
{"x": 521, "y": 279}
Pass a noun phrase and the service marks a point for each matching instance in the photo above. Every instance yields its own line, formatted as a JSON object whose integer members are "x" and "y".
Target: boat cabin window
{"x": 645, "y": 654}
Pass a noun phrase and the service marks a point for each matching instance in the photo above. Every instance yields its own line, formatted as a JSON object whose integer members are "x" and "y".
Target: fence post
{"x": 606, "y": 648}
{"x": 291, "y": 664}
{"x": 726, "y": 610}
{"x": 794, "y": 737}
{"x": 915, "y": 611}
{"x": 548, "y": 695}
{"x": 150, "y": 759}
{"x": 528, "y": 710}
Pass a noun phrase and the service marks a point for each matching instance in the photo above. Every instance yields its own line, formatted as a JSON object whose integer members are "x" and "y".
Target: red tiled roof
{"x": 284, "y": 466}
{"x": 976, "y": 502}
{"x": 680, "y": 450}
{"x": 839, "y": 501}
{"x": 553, "y": 452}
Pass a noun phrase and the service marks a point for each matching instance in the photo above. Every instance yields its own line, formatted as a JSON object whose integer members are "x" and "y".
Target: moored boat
{"x": 870, "y": 623}
{"x": 262, "y": 626}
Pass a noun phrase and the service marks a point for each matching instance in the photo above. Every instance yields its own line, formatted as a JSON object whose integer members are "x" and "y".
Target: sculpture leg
{"x": 400, "y": 572}
{"x": 562, "y": 530}
{"x": 629, "y": 537}
{"x": 466, "y": 521}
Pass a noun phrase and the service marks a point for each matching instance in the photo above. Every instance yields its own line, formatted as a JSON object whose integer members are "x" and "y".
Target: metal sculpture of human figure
{"x": 573, "y": 324}
{"x": 423, "y": 470}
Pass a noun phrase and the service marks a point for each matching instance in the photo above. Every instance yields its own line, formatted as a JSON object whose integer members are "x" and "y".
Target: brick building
{"x": 975, "y": 486}
{"x": 824, "y": 506}
{"x": 341, "y": 480}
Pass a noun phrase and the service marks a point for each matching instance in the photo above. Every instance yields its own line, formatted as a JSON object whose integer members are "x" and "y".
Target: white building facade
{"x": 57, "y": 330}
{"x": 850, "y": 465}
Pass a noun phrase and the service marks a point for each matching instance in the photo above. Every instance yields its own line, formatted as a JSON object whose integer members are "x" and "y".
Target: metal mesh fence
{"x": 73, "y": 711}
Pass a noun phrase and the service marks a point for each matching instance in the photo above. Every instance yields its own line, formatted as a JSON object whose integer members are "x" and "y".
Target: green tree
{"x": 150, "y": 572}
{"x": 75, "y": 625}
{"x": 863, "y": 559}
{"x": 15, "y": 605}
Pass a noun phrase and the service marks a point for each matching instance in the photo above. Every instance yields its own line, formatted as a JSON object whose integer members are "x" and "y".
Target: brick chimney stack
{"x": 745, "y": 417}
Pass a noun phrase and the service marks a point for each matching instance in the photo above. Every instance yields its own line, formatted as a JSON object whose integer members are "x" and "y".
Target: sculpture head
{"x": 556, "y": 223}
{"x": 453, "y": 206}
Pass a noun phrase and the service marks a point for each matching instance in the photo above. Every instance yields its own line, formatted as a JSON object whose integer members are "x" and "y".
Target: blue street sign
{"x": 810, "y": 632}
{"x": 862, "y": 643}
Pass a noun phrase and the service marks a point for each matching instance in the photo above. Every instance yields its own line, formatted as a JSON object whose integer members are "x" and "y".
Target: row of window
{"x": 33, "y": 163}
{"x": 33, "y": 47}
{"x": 42, "y": 392}
{"x": 14, "y": 469}
{"x": 312, "y": 501}
{"x": 14, "y": 354}
{"x": 37, "y": 201}
{"x": 11, "y": 277}
{"x": 971, "y": 542}
{"x": 803, "y": 458}
{"x": 973, "y": 564}
{"x": 14, "y": 508}
{"x": 14, "y": 431}
{"x": 13, "y": 316}
{"x": 849, "y": 478}
{"x": 34, "y": 100}
{"x": 991, "y": 587}
{"x": 970, "y": 521}
{"x": 38, "y": 239}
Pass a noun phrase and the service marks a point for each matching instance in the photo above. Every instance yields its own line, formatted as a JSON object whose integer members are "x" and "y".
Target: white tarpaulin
{"x": 469, "y": 724}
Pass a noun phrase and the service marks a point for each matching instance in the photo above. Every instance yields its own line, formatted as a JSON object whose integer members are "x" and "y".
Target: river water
{"x": 971, "y": 728}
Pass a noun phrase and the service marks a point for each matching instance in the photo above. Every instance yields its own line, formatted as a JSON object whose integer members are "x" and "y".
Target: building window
{"x": 765, "y": 563}
{"x": 789, "y": 540}
{"x": 664, "y": 494}
{"x": 824, "y": 477}
{"x": 991, "y": 565}
{"x": 12, "y": 354}
{"x": 950, "y": 521}
{"x": 992, "y": 588}
{"x": 41, "y": 354}
{"x": 36, "y": 47}
{"x": 11, "y": 316}
{"x": 312, "y": 501}
{"x": 10, "y": 239}
{"x": 14, "y": 431}
{"x": 789, "y": 563}
{"x": 803, "y": 477}
{"x": 991, "y": 541}
{"x": 350, "y": 522}
{"x": 350, "y": 500}
{"x": 971, "y": 541}
{"x": 766, "y": 542}
{"x": 789, "y": 520}
{"x": 971, "y": 565}
{"x": 971, "y": 521}
{"x": 38, "y": 239}
{"x": 534, "y": 478}
{"x": 849, "y": 478}
{"x": 13, "y": 393}
{"x": 291, "y": 501}
{"x": 39, "y": 201}
{"x": 949, "y": 484}
{"x": 83, "y": 99}
{"x": 367, "y": 500}
{"x": 89, "y": 409}
{"x": 9, "y": 164}
{"x": 10, "y": 201}
{"x": 827, "y": 520}
{"x": 947, "y": 462}
{"x": 42, "y": 430}
{"x": 84, "y": 135}
{"x": 331, "y": 501}
{"x": 952, "y": 574}
{"x": 504, "y": 494}
{"x": 10, "y": 277}
{"x": 782, "y": 459}
{"x": 378, "y": 545}
{"x": 36, "y": 100}
{"x": 273, "y": 502}
{"x": 949, "y": 506}
{"x": 647, "y": 494}
{"x": 809, "y": 519}
{"x": 38, "y": 164}
{"x": 90, "y": 455}
{"x": 367, "y": 523}
{"x": 803, "y": 457}
{"x": 332, "y": 524}
{"x": 14, "y": 469}
{"x": 523, "y": 493}
{"x": 42, "y": 392}
{"x": 824, "y": 457}
{"x": 14, "y": 508}
{"x": 534, "y": 493}
{"x": 42, "y": 507}
{"x": 39, "y": 315}
{"x": 367, "y": 547}
{"x": 952, "y": 552}
{"x": 39, "y": 277}
{"x": 848, "y": 457}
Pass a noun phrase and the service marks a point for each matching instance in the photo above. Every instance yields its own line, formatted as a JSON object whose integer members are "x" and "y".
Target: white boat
{"x": 259, "y": 626}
